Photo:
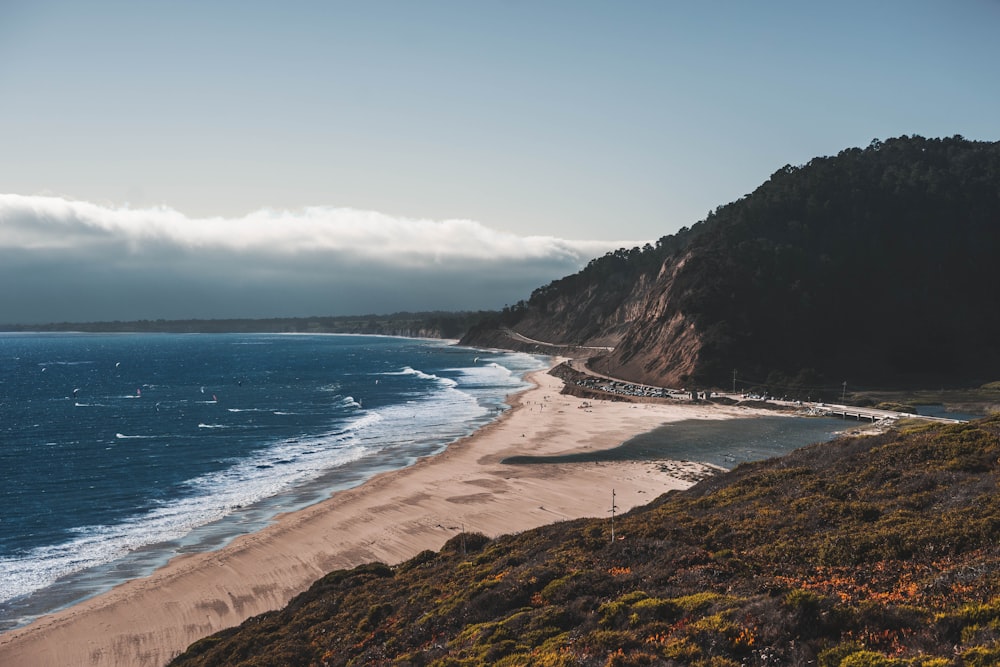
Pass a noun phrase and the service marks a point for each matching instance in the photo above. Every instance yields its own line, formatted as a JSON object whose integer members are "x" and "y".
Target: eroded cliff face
{"x": 653, "y": 342}
{"x": 661, "y": 345}
{"x": 594, "y": 316}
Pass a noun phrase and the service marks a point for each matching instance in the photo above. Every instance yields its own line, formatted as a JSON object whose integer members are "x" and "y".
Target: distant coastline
{"x": 425, "y": 324}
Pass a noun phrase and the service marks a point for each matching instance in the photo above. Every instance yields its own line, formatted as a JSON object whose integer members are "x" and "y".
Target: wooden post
{"x": 613, "y": 508}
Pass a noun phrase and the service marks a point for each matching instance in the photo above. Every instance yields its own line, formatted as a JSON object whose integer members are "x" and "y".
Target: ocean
{"x": 120, "y": 451}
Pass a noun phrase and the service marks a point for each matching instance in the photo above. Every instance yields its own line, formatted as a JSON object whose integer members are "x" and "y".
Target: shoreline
{"x": 389, "y": 518}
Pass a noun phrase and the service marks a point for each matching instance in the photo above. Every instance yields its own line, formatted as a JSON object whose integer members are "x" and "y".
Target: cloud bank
{"x": 64, "y": 260}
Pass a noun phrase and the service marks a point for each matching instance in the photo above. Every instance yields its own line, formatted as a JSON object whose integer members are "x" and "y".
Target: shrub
{"x": 465, "y": 543}
{"x": 557, "y": 590}
{"x": 613, "y": 613}
{"x": 981, "y": 656}
{"x": 699, "y": 602}
{"x": 655, "y": 609}
{"x": 832, "y": 657}
{"x": 633, "y": 659}
{"x": 550, "y": 659}
{"x": 870, "y": 659}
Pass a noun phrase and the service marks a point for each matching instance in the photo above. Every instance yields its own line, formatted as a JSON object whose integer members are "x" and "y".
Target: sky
{"x": 264, "y": 159}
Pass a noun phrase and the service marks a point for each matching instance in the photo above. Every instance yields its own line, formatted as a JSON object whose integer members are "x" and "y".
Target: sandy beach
{"x": 390, "y": 518}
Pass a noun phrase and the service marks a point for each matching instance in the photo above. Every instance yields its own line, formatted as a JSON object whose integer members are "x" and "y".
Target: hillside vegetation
{"x": 875, "y": 265}
{"x": 873, "y": 551}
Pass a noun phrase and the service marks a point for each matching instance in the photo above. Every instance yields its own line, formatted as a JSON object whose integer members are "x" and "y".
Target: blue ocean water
{"x": 120, "y": 451}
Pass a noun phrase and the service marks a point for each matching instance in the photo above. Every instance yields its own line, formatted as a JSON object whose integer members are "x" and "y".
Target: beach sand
{"x": 390, "y": 518}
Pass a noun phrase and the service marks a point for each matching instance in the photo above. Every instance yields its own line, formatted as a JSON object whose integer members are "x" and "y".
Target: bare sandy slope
{"x": 390, "y": 518}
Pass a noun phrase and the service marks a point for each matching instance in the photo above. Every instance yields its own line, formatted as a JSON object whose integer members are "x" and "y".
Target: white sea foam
{"x": 365, "y": 421}
{"x": 448, "y": 382}
{"x": 212, "y": 496}
{"x": 203, "y": 425}
{"x": 426, "y": 423}
{"x": 486, "y": 375}
{"x": 346, "y": 402}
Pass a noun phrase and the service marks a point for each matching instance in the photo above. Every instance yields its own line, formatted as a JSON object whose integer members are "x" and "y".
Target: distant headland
{"x": 429, "y": 324}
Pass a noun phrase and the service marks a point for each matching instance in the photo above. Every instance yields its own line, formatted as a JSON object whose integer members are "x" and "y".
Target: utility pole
{"x": 613, "y": 508}
{"x": 843, "y": 396}
{"x": 734, "y": 380}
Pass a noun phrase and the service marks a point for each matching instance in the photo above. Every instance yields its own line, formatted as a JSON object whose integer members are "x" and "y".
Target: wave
{"x": 122, "y": 436}
{"x": 489, "y": 374}
{"x": 407, "y": 370}
{"x": 43, "y": 364}
{"x": 348, "y": 402}
{"x": 210, "y": 498}
{"x": 422, "y": 425}
{"x": 370, "y": 419}
{"x": 203, "y": 425}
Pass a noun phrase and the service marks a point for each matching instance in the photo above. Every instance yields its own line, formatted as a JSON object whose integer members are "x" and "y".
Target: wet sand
{"x": 390, "y": 518}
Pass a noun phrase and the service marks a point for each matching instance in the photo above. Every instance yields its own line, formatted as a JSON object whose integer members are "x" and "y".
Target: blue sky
{"x": 572, "y": 121}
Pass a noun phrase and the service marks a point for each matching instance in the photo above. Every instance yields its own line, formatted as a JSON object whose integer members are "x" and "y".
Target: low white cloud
{"x": 74, "y": 260}
{"x": 36, "y": 222}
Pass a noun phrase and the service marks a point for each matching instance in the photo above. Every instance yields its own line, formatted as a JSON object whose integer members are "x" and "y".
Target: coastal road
{"x": 513, "y": 335}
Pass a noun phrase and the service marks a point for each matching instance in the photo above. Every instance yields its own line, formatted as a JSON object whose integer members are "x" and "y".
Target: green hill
{"x": 875, "y": 265}
{"x": 864, "y": 551}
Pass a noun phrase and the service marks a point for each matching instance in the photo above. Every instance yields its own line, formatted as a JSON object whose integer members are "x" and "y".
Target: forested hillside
{"x": 874, "y": 551}
{"x": 875, "y": 265}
